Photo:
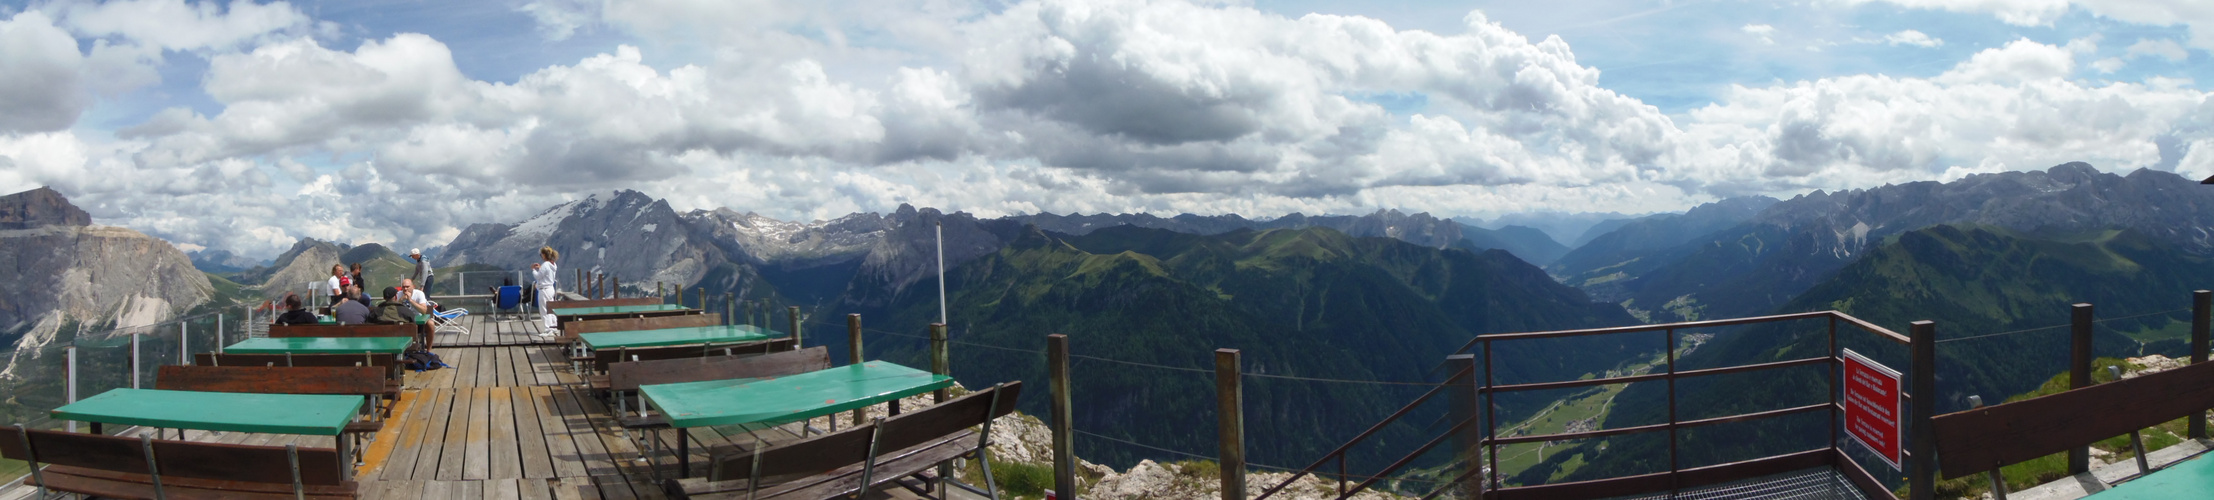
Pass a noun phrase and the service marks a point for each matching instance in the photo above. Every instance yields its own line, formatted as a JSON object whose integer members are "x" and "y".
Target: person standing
{"x": 546, "y": 275}
{"x": 422, "y": 269}
{"x": 358, "y": 282}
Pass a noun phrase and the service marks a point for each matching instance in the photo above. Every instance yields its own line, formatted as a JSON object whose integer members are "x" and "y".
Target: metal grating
{"x": 1811, "y": 484}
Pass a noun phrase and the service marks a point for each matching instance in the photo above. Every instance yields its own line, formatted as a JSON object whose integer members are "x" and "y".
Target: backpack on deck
{"x": 419, "y": 359}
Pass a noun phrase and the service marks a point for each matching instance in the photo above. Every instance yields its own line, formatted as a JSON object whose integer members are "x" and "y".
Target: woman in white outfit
{"x": 544, "y": 275}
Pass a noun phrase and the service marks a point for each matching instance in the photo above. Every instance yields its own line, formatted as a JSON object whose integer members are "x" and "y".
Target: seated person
{"x": 416, "y": 298}
{"x": 294, "y": 313}
{"x": 393, "y": 310}
{"x": 351, "y": 311}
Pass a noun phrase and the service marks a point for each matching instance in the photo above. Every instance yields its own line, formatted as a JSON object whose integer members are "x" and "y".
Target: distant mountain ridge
{"x": 65, "y": 271}
{"x": 1756, "y": 265}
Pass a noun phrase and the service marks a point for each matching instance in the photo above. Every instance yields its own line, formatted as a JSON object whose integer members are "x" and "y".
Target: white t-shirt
{"x": 416, "y": 296}
{"x": 334, "y": 286}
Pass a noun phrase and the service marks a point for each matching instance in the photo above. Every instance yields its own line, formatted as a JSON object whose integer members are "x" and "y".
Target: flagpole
{"x": 942, "y": 273}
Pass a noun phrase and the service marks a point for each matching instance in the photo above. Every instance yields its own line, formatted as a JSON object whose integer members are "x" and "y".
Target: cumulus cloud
{"x": 179, "y": 25}
{"x": 1050, "y": 105}
{"x": 1764, "y": 32}
{"x": 2195, "y": 14}
{"x": 2164, "y": 49}
{"x": 1912, "y": 37}
{"x": 40, "y": 75}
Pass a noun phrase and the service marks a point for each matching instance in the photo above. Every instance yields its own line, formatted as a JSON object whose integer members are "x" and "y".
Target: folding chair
{"x": 450, "y": 321}
{"x": 509, "y": 300}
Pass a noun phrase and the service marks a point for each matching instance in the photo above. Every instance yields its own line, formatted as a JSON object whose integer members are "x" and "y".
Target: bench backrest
{"x": 238, "y": 359}
{"x": 292, "y": 331}
{"x": 630, "y": 301}
{"x": 851, "y": 446}
{"x": 603, "y": 358}
{"x": 1986, "y": 438}
{"x": 361, "y": 380}
{"x": 214, "y": 461}
{"x": 632, "y": 324}
{"x": 627, "y": 376}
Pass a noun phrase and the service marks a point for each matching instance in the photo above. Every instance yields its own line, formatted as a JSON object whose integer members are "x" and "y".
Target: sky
{"x": 246, "y": 125}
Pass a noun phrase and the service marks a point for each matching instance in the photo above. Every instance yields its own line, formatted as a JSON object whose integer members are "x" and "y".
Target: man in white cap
{"x": 422, "y": 269}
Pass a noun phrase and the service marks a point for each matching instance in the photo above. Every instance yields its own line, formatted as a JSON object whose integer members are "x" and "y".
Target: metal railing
{"x": 1477, "y": 431}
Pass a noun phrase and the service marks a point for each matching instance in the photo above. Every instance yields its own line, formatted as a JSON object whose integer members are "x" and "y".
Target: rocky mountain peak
{"x": 40, "y": 207}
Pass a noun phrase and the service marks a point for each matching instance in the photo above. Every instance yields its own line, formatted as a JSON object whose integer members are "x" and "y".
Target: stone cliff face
{"x": 61, "y": 270}
{"x": 40, "y": 207}
{"x": 301, "y": 269}
{"x": 625, "y": 234}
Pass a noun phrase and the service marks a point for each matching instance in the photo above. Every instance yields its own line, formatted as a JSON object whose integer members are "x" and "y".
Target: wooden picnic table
{"x": 321, "y": 345}
{"x": 299, "y": 414}
{"x": 757, "y": 402}
{"x": 675, "y": 336}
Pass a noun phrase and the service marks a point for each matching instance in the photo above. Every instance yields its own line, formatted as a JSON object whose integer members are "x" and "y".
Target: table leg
{"x": 345, "y": 457}
{"x": 96, "y": 428}
{"x": 894, "y": 409}
{"x": 684, "y": 453}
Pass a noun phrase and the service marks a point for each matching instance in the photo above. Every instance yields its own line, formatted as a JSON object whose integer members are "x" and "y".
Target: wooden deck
{"x": 509, "y": 420}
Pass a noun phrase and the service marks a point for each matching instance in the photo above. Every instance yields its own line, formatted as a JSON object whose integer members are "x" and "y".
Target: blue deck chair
{"x": 450, "y": 321}
{"x": 509, "y": 300}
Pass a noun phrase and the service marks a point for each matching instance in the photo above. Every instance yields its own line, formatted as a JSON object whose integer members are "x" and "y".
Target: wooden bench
{"x": 598, "y": 361}
{"x": 1987, "y": 438}
{"x": 632, "y": 301}
{"x": 144, "y": 468}
{"x": 389, "y": 365}
{"x": 900, "y": 451}
{"x": 627, "y": 376}
{"x": 365, "y": 381}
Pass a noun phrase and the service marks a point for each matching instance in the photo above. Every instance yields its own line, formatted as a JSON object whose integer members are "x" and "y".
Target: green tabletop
{"x": 578, "y": 311}
{"x": 311, "y": 414}
{"x": 321, "y": 345}
{"x": 327, "y": 320}
{"x": 792, "y": 398}
{"x": 2193, "y": 478}
{"x": 674, "y": 336}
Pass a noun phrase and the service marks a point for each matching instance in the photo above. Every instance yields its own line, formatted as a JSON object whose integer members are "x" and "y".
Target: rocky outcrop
{"x": 63, "y": 270}
{"x": 625, "y": 234}
{"x": 301, "y": 269}
{"x": 40, "y": 207}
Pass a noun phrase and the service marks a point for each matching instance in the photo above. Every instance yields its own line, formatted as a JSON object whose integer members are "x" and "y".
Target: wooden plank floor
{"x": 509, "y": 420}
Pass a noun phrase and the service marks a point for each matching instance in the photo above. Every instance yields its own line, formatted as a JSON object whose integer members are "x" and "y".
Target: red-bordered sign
{"x": 1872, "y": 406}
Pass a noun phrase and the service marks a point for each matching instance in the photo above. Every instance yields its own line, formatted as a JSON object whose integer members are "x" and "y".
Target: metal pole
{"x": 2202, "y": 303}
{"x": 1062, "y": 425}
{"x": 798, "y": 342}
{"x": 1922, "y": 479}
{"x": 1669, "y": 343}
{"x": 1465, "y": 406}
{"x": 184, "y": 342}
{"x": 134, "y": 361}
{"x": 2079, "y": 376}
{"x": 941, "y": 229}
{"x": 1230, "y": 423}
{"x": 69, "y": 383}
{"x": 853, "y": 337}
{"x": 218, "y": 333}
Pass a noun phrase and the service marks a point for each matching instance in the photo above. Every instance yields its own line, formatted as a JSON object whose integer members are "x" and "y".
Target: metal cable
{"x": 2026, "y": 330}
{"x": 2171, "y": 311}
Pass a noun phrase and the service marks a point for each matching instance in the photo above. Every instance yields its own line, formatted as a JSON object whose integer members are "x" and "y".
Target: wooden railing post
{"x": 680, "y": 296}
{"x": 1062, "y": 425}
{"x": 1471, "y": 439}
{"x": 2202, "y": 304}
{"x": 940, "y": 361}
{"x": 615, "y": 286}
{"x": 1230, "y": 423}
{"x": 730, "y": 309}
{"x": 2079, "y": 374}
{"x": 1922, "y": 479}
{"x": 853, "y": 338}
{"x": 702, "y": 293}
{"x": 797, "y": 341}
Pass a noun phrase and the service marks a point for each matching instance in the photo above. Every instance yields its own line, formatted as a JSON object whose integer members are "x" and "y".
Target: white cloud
{"x": 1058, "y": 105}
{"x": 559, "y": 19}
{"x": 2109, "y": 65}
{"x": 1764, "y": 32}
{"x": 2198, "y": 15}
{"x": 40, "y": 75}
{"x": 2164, "y": 49}
{"x": 178, "y": 25}
{"x": 1912, "y": 37}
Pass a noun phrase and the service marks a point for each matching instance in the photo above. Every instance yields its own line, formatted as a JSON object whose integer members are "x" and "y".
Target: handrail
{"x": 1487, "y": 391}
{"x": 1340, "y": 451}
